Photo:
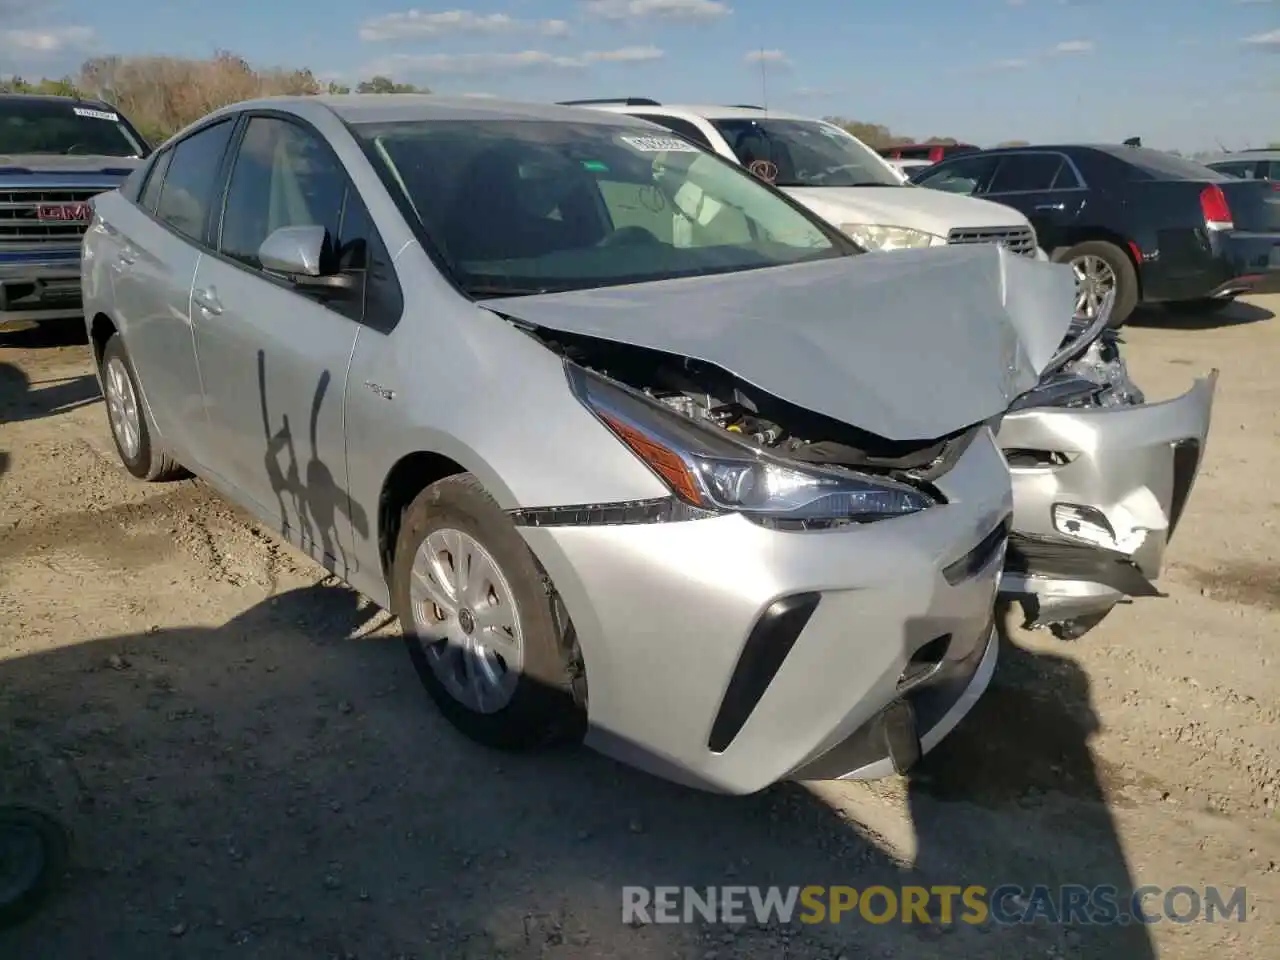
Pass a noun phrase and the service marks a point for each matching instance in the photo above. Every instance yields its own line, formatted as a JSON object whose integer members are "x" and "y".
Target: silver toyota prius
{"x": 637, "y": 450}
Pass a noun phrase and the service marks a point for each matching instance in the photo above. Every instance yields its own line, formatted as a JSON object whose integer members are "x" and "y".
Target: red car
{"x": 933, "y": 152}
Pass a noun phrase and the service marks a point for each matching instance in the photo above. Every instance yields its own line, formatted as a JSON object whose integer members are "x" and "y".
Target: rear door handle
{"x": 207, "y": 300}
{"x": 126, "y": 257}
{"x": 1051, "y": 206}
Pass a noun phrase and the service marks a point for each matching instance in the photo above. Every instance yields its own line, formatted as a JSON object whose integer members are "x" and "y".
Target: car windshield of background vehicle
{"x": 805, "y": 153}
{"x": 64, "y": 128}
{"x": 523, "y": 206}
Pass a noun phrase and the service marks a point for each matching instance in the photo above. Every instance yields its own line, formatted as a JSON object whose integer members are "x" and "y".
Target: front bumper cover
{"x": 40, "y": 284}
{"x": 685, "y": 684}
{"x": 1092, "y": 531}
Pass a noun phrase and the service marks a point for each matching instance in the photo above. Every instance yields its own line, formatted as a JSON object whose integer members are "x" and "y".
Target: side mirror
{"x": 305, "y": 255}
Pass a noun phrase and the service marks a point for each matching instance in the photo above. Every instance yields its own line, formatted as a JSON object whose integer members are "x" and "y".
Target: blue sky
{"x": 1179, "y": 73}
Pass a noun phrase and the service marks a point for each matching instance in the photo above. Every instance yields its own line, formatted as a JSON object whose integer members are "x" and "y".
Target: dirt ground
{"x": 252, "y": 770}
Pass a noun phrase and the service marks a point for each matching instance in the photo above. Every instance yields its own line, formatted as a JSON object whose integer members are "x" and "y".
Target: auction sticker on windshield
{"x": 660, "y": 144}
{"x": 96, "y": 114}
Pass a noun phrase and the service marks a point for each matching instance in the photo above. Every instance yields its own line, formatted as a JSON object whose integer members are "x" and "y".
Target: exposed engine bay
{"x": 708, "y": 394}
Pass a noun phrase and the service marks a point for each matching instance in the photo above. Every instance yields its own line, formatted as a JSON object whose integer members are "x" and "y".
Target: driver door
{"x": 272, "y": 357}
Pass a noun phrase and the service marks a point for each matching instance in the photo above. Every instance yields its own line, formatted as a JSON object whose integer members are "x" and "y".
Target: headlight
{"x": 707, "y": 468}
{"x": 876, "y": 237}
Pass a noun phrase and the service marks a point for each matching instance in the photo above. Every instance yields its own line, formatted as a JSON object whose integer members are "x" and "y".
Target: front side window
{"x": 192, "y": 179}
{"x": 284, "y": 176}
{"x": 65, "y": 128}
{"x": 965, "y": 175}
{"x": 527, "y": 206}
{"x": 805, "y": 153}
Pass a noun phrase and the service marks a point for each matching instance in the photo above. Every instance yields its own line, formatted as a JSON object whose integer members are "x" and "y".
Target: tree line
{"x": 161, "y": 95}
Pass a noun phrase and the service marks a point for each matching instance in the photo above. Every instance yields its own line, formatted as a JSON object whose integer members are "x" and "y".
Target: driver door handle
{"x": 207, "y": 300}
{"x": 1051, "y": 206}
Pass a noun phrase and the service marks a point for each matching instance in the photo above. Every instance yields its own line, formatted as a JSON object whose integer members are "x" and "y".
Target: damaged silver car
{"x": 636, "y": 448}
{"x": 1100, "y": 480}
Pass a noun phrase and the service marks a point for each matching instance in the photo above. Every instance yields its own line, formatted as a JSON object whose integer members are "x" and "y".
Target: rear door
{"x": 156, "y": 255}
{"x": 274, "y": 358}
{"x": 1045, "y": 187}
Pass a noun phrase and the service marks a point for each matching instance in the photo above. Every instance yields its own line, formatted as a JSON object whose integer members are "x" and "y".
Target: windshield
{"x": 524, "y": 206}
{"x": 1151, "y": 164}
{"x": 65, "y": 128}
{"x": 805, "y": 153}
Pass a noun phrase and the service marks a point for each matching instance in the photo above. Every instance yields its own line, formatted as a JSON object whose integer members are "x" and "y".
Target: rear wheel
{"x": 130, "y": 426}
{"x": 1101, "y": 268}
{"x": 486, "y": 631}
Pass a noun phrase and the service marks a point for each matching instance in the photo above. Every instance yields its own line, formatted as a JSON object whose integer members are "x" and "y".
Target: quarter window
{"x": 284, "y": 176}
{"x": 191, "y": 180}
{"x": 683, "y": 127}
{"x": 155, "y": 180}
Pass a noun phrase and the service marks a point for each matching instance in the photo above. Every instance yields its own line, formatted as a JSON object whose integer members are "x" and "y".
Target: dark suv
{"x": 1148, "y": 225}
{"x": 58, "y": 153}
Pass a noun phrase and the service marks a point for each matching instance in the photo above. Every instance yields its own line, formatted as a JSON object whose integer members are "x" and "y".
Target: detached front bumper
{"x": 40, "y": 284}
{"x": 1092, "y": 520}
{"x": 728, "y": 656}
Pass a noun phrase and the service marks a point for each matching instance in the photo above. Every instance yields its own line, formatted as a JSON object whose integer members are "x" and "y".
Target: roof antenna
{"x": 764, "y": 81}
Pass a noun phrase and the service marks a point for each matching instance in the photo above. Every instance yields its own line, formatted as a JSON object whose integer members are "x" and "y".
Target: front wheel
{"x": 486, "y": 631}
{"x": 34, "y": 855}
{"x": 1101, "y": 268}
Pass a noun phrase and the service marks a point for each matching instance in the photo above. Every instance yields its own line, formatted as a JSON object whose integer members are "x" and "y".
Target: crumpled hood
{"x": 57, "y": 163}
{"x": 912, "y": 345}
{"x": 933, "y": 211}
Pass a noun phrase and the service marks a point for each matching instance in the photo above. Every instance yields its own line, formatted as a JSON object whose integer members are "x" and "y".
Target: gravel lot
{"x": 252, "y": 770}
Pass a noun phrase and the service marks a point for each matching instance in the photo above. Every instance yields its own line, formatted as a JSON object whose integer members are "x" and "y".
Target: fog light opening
{"x": 1084, "y": 523}
{"x": 924, "y": 662}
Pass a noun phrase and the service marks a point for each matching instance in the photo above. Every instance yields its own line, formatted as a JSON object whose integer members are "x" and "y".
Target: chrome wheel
{"x": 465, "y": 616}
{"x": 122, "y": 408}
{"x": 1094, "y": 280}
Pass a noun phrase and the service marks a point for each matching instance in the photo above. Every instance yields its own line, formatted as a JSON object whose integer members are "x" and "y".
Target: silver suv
{"x": 627, "y": 439}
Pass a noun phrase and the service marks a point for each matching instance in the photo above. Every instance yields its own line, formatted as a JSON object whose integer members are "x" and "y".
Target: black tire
{"x": 1204, "y": 305}
{"x": 33, "y": 863}
{"x": 1125, "y": 272}
{"x": 548, "y": 702}
{"x": 148, "y": 462}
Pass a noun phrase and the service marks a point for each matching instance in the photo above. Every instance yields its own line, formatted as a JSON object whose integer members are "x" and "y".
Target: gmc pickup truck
{"x": 56, "y": 154}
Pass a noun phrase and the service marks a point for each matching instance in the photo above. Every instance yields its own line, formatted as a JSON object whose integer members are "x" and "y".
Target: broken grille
{"x": 20, "y": 221}
{"x": 1019, "y": 240}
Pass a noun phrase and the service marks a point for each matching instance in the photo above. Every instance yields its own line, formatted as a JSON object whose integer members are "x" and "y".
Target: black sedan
{"x": 1151, "y": 226}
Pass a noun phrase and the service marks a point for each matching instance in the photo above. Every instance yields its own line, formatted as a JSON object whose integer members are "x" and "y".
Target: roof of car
{"x": 705, "y": 111}
{"x": 399, "y": 107}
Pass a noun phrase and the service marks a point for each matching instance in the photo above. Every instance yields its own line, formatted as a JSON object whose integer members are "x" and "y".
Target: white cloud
{"x": 420, "y": 24}
{"x": 767, "y": 56}
{"x": 479, "y": 64}
{"x": 1016, "y": 63}
{"x": 46, "y": 40}
{"x": 1074, "y": 46}
{"x": 1268, "y": 41}
{"x": 657, "y": 9}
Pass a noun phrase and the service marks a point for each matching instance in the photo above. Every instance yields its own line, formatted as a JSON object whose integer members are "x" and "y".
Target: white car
{"x": 837, "y": 176}
{"x": 908, "y": 167}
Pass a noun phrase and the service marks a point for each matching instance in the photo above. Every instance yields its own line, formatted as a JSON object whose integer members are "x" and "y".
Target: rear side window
{"x": 1272, "y": 170}
{"x": 1026, "y": 172}
{"x": 155, "y": 180}
{"x": 682, "y": 127}
{"x": 191, "y": 181}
